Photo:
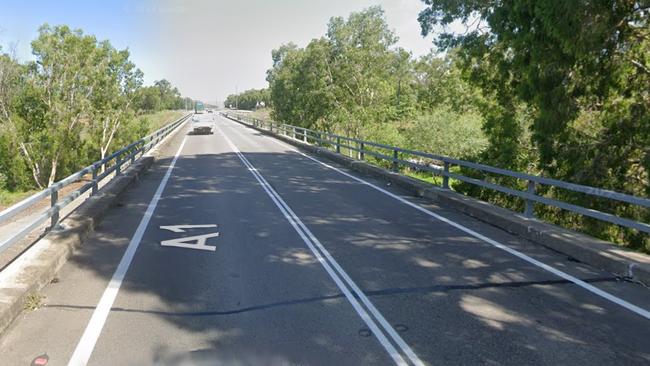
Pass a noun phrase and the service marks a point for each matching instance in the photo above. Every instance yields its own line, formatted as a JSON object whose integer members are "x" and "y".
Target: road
{"x": 236, "y": 249}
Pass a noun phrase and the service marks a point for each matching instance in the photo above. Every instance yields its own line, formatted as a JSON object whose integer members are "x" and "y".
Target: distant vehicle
{"x": 209, "y": 110}
{"x": 199, "y": 107}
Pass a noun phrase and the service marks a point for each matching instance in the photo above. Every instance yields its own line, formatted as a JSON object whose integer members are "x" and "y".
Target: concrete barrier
{"x": 595, "y": 252}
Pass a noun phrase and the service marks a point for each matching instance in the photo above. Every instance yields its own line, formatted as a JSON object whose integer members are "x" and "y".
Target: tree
{"x": 359, "y": 66}
{"x": 113, "y": 100}
{"x": 12, "y": 166}
{"x": 578, "y": 71}
{"x": 56, "y": 98}
{"x": 301, "y": 85}
{"x": 74, "y": 103}
{"x": 148, "y": 99}
{"x": 351, "y": 81}
{"x": 249, "y": 100}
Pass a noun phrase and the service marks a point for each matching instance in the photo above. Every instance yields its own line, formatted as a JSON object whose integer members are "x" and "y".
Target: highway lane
{"x": 264, "y": 297}
{"x": 448, "y": 289}
{"x": 260, "y": 297}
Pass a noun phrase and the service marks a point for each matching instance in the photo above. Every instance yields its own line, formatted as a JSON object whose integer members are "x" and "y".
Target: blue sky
{"x": 208, "y": 48}
{"x": 117, "y": 21}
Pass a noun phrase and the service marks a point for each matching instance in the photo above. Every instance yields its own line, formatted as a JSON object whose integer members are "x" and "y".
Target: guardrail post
{"x": 54, "y": 198}
{"x": 95, "y": 183}
{"x": 338, "y": 145}
{"x": 530, "y": 205}
{"x": 362, "y": 154}
{"x": 294, "y": 132}
{"x": 395, "y": 163}
{"x": 118, "y": 168}
{"x": 304, "y": 135}
{"x": 445, "y": 177}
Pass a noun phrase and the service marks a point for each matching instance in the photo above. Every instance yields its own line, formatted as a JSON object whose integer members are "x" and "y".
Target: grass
{"x": 9, "y": 198}
{"x": 431, "y": 178}
{"x": 159, "y": 119}
{"x": 33, "y": 301}
{"x": 263, "y": 113}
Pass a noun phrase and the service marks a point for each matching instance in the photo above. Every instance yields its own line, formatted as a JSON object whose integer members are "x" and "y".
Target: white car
{"x": 202, "y": 124}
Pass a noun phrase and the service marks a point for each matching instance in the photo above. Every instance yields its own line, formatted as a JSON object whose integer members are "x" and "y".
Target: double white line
{"x": 361, "y": 304}
{"x": 587, "y": 286}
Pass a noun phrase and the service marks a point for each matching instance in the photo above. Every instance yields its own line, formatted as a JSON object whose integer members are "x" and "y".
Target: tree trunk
{"x": 33, "y": 166}
{"x": 55, "y": 163}
{"x": 102, "y": 152}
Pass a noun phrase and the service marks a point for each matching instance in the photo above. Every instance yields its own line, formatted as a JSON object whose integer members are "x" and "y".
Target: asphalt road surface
{"x": 235, "y": 249}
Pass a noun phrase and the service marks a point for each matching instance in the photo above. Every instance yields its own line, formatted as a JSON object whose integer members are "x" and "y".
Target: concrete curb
{"x": 38, "y": 266}
{"x": 595, "y": 252}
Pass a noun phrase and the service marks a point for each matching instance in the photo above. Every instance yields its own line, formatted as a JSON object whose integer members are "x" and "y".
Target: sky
{"x": 207, "y": 48}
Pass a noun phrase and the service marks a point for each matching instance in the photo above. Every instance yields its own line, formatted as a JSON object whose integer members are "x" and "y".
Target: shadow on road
{"x": 454, "y": 299}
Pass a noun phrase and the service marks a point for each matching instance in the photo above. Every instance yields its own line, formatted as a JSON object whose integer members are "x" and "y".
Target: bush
{"x": 448, "y": 133}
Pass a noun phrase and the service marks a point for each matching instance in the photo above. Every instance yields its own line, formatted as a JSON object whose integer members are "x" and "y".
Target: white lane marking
{"x": 198, "y": 242}
{"x": 593, "y": 289}
{"x": 181, "y": 228}
{"x": 327, "y": 262}
{"x": 364, "y": 299}
{"x": 89, "y": 338}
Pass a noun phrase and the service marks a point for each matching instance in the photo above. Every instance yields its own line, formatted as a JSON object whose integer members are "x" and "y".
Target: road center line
{"x": 591, "y": 288}
{"x": 89, "y": 338}
{"x": 332, "y": 267}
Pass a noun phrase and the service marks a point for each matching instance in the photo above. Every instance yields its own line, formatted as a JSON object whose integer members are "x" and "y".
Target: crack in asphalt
{"x": 373, "y": 293}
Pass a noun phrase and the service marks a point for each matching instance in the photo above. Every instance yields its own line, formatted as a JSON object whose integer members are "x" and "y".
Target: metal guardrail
{"x": 395, "y": 155}
{"x": 99, "y": 170}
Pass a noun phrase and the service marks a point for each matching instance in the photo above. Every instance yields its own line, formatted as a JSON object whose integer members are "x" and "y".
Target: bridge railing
{"x": 98, "y": 170}
{"x": 395, "y": 157}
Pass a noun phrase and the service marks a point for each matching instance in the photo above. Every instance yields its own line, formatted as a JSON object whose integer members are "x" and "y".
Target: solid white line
{"x": 593, "y": 289}
{"x": 310, "y": 240}
{"x": 364, "y": 299}
{"x": 89, "y": 338}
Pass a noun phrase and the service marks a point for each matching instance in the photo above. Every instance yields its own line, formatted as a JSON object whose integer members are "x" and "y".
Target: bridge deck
{"x": 306, "y": 264}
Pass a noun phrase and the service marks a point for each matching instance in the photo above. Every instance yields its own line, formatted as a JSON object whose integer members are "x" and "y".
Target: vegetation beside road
{"x": 557, "y": 89}
{"x": 157, "y": 120}
{"x": 248, "y": 100}
{"x": 78, "y": 101}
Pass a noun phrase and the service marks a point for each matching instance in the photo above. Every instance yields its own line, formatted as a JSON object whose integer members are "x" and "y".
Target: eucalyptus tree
{"x": 113, "y": 101}
{"x": 360, "y": 64}
{"x": 12, "y": 165}
{"x": 56, "y": 99}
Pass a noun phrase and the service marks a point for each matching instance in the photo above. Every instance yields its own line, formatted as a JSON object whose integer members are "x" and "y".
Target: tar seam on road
{"x": 373, "y": 293}
{"x": 593, "y": 289}
{"x": 327, "y": 261}
{"x": 89, "y": 338}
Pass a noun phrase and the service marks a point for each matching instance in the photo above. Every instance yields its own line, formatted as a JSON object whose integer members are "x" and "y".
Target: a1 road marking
{"x": 197, "y": 242}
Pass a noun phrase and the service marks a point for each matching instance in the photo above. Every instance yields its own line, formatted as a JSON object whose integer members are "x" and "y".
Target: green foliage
{"x": 351, "y": 81}
{"x": 448, "y": 133}
{"x": 160, "y": 96}
{"x": 577, "y": 74}
{"x": 148, "y": 123}
{"x": 77, "y": 101}
{"x": 248, "y": 100}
